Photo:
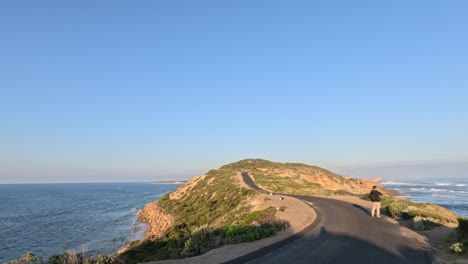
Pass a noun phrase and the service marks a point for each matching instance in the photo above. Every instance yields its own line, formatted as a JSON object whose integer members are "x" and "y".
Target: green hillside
{"x": 213, "y": 210}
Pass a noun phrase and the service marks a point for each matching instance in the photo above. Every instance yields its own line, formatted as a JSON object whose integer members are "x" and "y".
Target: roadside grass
{"x": 421, "y": 216}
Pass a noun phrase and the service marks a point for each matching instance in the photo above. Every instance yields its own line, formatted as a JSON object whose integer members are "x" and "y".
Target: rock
{"x": 157, "y": 219}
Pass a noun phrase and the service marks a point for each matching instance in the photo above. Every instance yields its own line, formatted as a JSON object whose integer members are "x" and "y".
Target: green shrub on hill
{"x": 256, "y": 225}
{"x": 425, "y": 215}
{"x": 215, "y": 200}
{"x": 28, "y": 258}
{"x": 463, "y": 228}
{"x": 460, "y": 242}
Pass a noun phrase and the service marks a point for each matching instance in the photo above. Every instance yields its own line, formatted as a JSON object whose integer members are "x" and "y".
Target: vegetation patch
{"x": 462, "y": 229}
{"x": 69, "y": 257}
{"x": 203, "y": 239}
{"x": 424, "y": 215}
{"x": 292, "y": 178}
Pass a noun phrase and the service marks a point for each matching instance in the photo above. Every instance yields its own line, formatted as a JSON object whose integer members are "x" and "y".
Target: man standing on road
{"x": 374, "y": 196}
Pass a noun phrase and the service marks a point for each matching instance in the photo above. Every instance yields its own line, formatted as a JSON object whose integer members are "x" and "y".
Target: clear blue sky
{"x": 160, "y": 90}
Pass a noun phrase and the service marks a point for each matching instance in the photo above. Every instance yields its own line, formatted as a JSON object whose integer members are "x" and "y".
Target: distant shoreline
{"x": 169, "y": 182}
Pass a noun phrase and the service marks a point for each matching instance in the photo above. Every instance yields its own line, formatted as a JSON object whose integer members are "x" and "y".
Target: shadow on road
{"x": 328, "y": 247}
{"x": 338, "y": 248}
{"x": 368, "y": 212}
{"x": 322, "y": 246}
{"x": 365, "y": 210}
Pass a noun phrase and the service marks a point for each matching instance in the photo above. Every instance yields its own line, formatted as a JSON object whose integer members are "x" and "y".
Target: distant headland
{"x": 169, "y": 182}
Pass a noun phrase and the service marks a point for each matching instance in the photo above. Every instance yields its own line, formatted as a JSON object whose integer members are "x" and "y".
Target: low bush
{"x": 202, "y": 240}
{"x": 457, "y": 248}
{"x": 463, "y": 228}
{"x": 395, "y": 206}
{"x": 255, "y": 225}
{"x": 28, "y": 258}
{"x": 69, "y": 257}
{"x": 262, "y": 217}
{"x": 154, "y": 250}
{"x": 243, "y": 233}
{"x": 424, "y": 223}
{"x": 428, "y": 214}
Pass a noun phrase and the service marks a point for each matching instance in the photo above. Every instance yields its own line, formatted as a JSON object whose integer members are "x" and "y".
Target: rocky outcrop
{"x": 157, "y": 219}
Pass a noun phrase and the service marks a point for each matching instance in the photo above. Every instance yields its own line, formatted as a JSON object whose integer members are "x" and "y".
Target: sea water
{"x": 49, "y": 219}
{"x": 451, "y": 193}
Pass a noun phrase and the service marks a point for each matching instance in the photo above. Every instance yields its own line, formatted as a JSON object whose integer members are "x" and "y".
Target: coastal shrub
{"x": 262, "y": 217}
{"x": 457, "y": 248}
{"x": 69, "y": 257}
{"x": 395, "y": 206}
{"x": 28, "y": 258}
{"x": 436, "y": 219}
{"x": 424, "y": 223}
{"x": 55, "y": 259}
{"x": 104, "y": 260}
{"x": 463, "y": 228}
{"x": 423, "y": 215}
{"x": 242, "y": 233}
{"x": 153, "y": 250}
{"x": 202, "y": 240}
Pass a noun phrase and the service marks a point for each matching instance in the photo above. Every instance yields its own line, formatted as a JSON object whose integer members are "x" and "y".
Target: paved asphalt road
{"x": 343, "y": 233}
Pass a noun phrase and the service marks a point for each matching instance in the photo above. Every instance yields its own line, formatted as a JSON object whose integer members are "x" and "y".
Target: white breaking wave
{"x": 395, "y": 183}
{"x": 442, "y": 184}
{"x": 417, "y": 189}
{"x": 439, "y": 190}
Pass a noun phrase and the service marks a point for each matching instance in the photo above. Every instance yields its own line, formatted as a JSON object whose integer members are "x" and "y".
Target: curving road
{"x": 342, "y": 233}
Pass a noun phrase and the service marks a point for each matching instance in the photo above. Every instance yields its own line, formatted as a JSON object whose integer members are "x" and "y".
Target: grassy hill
{"x": 213, "y": 209}
{"x": 297, "y": 178}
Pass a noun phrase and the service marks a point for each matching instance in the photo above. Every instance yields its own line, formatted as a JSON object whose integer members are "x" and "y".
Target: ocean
{"x": 451, "y": 193}
{"x": 49, "y": 219}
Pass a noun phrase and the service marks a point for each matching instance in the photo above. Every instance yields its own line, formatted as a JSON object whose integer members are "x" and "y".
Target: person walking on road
{"x": 374, "y": 196}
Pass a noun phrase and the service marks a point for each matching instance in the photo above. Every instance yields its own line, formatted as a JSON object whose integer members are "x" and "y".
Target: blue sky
{"x": 159, "y": 90}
